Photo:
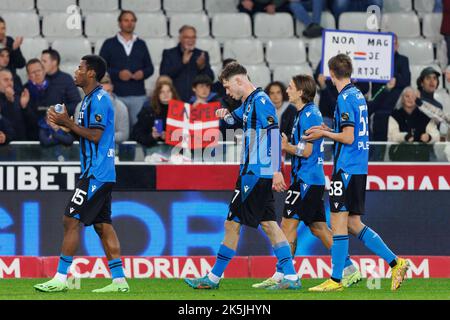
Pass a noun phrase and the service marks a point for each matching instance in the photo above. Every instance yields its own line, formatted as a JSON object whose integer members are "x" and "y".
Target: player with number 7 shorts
{"x": 304, "y": 199}
{"x": 348, "y": 185}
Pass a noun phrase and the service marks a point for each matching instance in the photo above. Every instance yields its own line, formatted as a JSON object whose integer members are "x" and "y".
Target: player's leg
{"x": 375, "y": 244}
{"x": 111, "y": 246}
{"x": 282, "y": 251}
{"x": 351, "y": 274}
{"x": 289, "y": 228}
{"x": 226, "y": 252}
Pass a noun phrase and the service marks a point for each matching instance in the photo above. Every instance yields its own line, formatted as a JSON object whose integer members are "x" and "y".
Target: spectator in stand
{"x": 447, "y": 78}
{"x": 329, "y": 94}
{"x": 427, "y": 83}
{"x": 151, "y": 125}
{"x": 129, "y": 64}
{"x": 286, "y": 112}
{"x": 61, "y": 83}
{"x": 121, "y": 121}
{"x": 299, "y": 8}
{"x": 184, "y": 62}
{"x": 10, "y": 104}
{"x": 385, "y": 96}
{"x": 4, "y": 62}
{"x": 202, "y": 91}
{"x": 17, "y": 61}
{"x": 227, "y": 101}
{"x": 408, "y": 124}
{"x": 340, "y": 6}
{"x": 445, "y": 27}
{"x": 7, "y": 133}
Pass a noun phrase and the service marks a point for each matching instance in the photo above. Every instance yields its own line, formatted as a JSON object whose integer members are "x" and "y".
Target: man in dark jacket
{"x": 4, "y": 63}
{"x": 445, "y": 27}
{"x": 129, "y": 64}
{"x": 7, "y": 133}
{"x": 59, "y": 81}
{"x": 184, "y": 62}
{"x": 17, "y": 61}
{"x": 10, "y": 107}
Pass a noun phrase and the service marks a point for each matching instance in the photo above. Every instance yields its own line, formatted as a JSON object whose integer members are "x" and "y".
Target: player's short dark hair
{"x": 341, "y": 65}
{"x": 202, "y": 79}
{"x": 307, "y": 85}
{"x": 280, "y": 85}
{"x": 54, "y": 55}
{"x": 124, "y": 12}
{"x": 96, "y": 63}
{"x": 33, "y": 61}
{"x": 227, "y": 62}
{"x": 232, "y": 69}
{"x": 186, "y": 27}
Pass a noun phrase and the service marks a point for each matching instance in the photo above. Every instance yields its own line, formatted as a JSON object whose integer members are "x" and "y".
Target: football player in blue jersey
{"x": 253, "y": 202}
{"x": 90, "y": 203}
{"x": 304, "y": 200}
{"x": 348, "y": 185}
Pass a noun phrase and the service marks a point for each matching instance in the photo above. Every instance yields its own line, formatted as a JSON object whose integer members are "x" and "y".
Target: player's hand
{"x": 17, "y": 43}
{"x": 221, "y": 113}
{"x": 125, "y": 75}
{"x": 60, "y": 119}
{"x": 201, "y": 61}
{"x": 138, "y": 75}
{"x": 314, "y": 133}
{"x": 24, "y": 98}
{"x": 284, "y": 142}
{"x": 278, "y": 183}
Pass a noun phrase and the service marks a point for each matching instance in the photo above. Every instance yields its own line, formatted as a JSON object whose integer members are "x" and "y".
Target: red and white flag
{"x": 192, "y": 126}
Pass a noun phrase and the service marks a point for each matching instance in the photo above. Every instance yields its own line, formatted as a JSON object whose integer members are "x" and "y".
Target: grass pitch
{"x": 230, "y": 289}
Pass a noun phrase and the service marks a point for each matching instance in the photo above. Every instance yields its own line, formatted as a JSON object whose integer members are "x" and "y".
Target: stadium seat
{"x": 259, "y": 75}
{"x": 16, "y": 27}
{"x": 423, "y": 6}
{"x": 182, "y": 6}
{"x": 51, "y": 6}
{"x": 199, "y": 21}
{"x": 156, "y": 47}
{"x": 246, "y": 51}
{"x": 227, "y": 26}
{"x": 69, "y": 67}
{"x": 285, "y": 52}
{"x": 54, "y": 26}
{"x": 151, "y": 25}
{"x": 353, "y": 21}
{"x": 72, "y": 50}
{"x": 142, "y": 5}
{"x": 285, "y": 73}
{"x": 397, "y": 6}
{"x": 33, "y": 47}
{"x": 315, "y": 51}
{"x": 101, "y": 25}
{"x": 443, "y": 97}
{"x": 327, "y": 21}
{"x": 406, "y": 25}
{"x": 218, "y": 6}
{"x": 16, "y": 5}
{"x": 431, "y": 26}
{"x": 419, "y": 51}
{"x": 415, "y": 73}
{"x": 212, "y": 46}
{"x": 98, "y": 5}
{"x": 150, "y": 82}
{"x": 216, "y": 68}
{"x": 273, "y": 26}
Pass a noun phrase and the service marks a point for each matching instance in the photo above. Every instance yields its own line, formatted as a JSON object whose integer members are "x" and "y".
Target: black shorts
{"x": 91, "y": 202}
{"x": 258, "y": 205}
{"x": 305, "y": 203}
{"x": 348, "y": 193}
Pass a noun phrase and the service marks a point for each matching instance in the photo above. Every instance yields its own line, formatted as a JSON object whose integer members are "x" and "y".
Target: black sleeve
{"x": 142, "y": 130}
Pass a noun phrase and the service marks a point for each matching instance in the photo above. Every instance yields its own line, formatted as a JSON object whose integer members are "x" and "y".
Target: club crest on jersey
{"x": 345, "y": 116}
{"x": 270, "y": 120}
{"x": 98, "y": 118}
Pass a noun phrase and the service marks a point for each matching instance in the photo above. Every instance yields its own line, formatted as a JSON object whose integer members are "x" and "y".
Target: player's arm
{"x": 62, "y": 119}
{"x": 302, "y": 149}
